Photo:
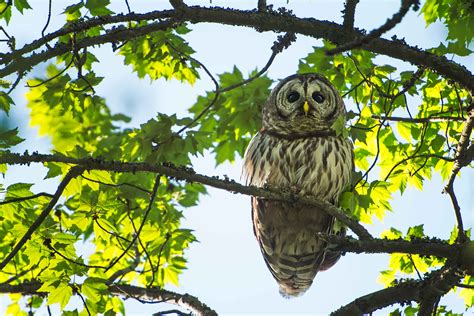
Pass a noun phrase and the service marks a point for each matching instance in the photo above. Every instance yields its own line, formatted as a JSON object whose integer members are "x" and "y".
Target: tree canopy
{"x": 121, "y": 191}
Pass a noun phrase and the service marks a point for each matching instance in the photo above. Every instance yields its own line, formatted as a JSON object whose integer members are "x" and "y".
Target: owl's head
{"x": 302, "y": 104}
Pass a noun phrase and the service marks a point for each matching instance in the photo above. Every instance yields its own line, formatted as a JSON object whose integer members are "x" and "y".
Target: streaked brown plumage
{"x": 297, "y": 150}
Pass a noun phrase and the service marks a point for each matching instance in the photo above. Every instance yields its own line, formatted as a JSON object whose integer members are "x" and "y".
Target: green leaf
{"x": 161, "y": 55}
{"x": 54, "y": 170}
{"x": 73, "y": 11}
{"x": 5, "y": 102}
{"x": 21, "y": 5}
{"x": 405, "y": 130}
{"x": 6, "y": 10}
{"x": 339, "y": 126}
{"x": 10, "y": 138}
{"x": 98, "y": 7}
{"x": 94, "y": 288}
{"x": 60, "y": 294}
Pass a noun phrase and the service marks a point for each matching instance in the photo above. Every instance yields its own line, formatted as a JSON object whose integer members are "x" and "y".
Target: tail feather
{"x": 287, "y": 238}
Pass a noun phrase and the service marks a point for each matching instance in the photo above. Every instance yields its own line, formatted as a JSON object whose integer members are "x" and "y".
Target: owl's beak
{"x": 306, "y": 107}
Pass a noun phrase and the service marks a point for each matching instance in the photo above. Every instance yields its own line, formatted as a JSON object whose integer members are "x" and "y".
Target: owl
{"x": 298, "y": 151}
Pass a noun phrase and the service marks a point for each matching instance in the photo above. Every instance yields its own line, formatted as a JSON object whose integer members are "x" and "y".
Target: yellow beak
{"x": 306, "y": 107}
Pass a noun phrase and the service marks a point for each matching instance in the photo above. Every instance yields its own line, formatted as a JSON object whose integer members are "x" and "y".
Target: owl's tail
{"x": 288, "y": 290}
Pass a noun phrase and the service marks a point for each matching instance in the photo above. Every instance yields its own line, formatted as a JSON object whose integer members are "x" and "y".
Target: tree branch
{"x": 187, "y": 174}
{"x": 137, "y": 234}
{"x": 436, "y": 284}
{"x": 422, "y": 120}
{"x": 349, "y": 13}
{"x": 421, "y": 247}
{"x": 464, "y": 155}
{"x": 263, "y": 21}
{"x": 23, "y": 64}
{"x": 25, "y": 198}
{"x": 73, "y": 172}
{"x": 387, "y": 26}
{"x": 155, "y": 295}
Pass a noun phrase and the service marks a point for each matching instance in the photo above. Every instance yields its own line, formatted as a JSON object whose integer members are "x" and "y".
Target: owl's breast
{"x": 316, "y": 166}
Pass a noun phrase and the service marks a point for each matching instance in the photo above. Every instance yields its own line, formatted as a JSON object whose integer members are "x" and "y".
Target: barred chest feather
{"x": 317, "y": 166}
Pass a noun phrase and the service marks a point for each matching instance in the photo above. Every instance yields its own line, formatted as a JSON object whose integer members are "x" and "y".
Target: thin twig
{"x": 117, "y": 185}
{"x": 56, "y": 252}
{"x": 49, "y": 18}
{"x": 53, "y": 77}
{"x": 25, "y": 198}
{"x": 83, "y": 301}
{"x": 17, "y": 81}
{"x": 134, "y": 239}
{"x": 144, "y": 250}
{"x": 461, "y": 160}
{"x": 420, "y": 120}
{"x": 96, "y": 220}
{"x": 278, "y": 46}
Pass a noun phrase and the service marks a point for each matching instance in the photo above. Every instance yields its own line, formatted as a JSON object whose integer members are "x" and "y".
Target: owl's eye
{"x": 318, "y": 97}
{"x": 293, "y": 97}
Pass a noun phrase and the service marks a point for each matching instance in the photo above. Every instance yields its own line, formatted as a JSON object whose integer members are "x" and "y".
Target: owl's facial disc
{"x": 303, "y": 103}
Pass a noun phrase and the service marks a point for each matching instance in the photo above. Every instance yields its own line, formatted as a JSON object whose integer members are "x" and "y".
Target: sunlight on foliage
{"x": 127, "y": 227}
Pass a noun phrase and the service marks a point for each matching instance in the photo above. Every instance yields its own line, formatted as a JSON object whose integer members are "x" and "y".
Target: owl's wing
{"x": 286, "y": 233}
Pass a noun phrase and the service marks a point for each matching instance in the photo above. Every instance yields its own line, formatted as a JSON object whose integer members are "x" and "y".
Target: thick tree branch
{"x": 156, "y": 295}
{"x": 182, "y": 173}
{"x": 73, "y": 172}
{"x": 187, "y": 301}
{"x": 263, "y": 21}
{"x": 437, "y": 284}
{"x": 24, "y": 64}
{"x": 417, "y": 246}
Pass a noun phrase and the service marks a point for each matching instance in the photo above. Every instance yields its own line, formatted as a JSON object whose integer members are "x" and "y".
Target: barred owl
{"x": 297, "y": 150}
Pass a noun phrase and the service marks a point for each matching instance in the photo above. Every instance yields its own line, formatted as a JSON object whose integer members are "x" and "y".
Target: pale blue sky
{"x": 225, "y": 269}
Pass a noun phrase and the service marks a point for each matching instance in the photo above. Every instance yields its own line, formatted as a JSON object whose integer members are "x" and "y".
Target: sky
{"x": 225, "y": 269}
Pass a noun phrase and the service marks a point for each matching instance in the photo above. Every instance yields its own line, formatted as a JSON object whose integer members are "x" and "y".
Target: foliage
{"x": 130, "y": 222}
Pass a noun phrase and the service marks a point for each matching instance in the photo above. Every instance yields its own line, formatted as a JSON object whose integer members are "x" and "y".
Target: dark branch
{"x": 387, "y": 26}
{"x": 279, "y": 45}
{"x": 178, "y": 4}
{"x": 417, "y": 246}
{"x": 187, "y": 301}
{"x": 171, "y": 311}
{"x": 156, "y": 295}
{"x": 25, "y": 198}
{"x": 264, "y": 21}
{"x": 464, "y": 155}
{"x": 349, "y": 13}
{"x": 24, "y": 64}
{"x": 73, "y": 172}
{"x": 435, "y": 285}
{"x": 182, "y": 173}
{"x": 432, "y": 119}
{"x": 262, "y": 5}
{"x": 135, "y": 237}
